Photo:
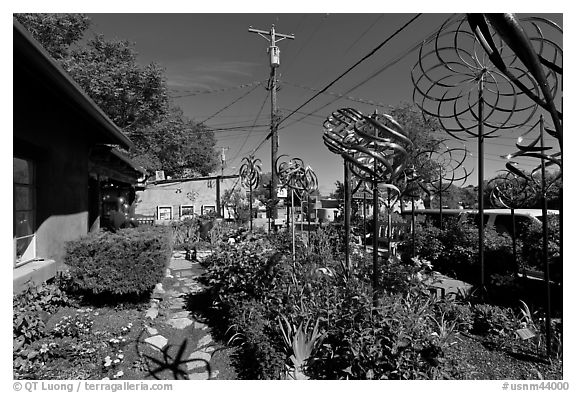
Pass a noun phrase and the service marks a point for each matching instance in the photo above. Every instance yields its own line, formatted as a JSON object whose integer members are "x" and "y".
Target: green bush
{"x": 454, "y": 251}
{"x": 531, "y": 240}
{"x": 31, "y": 308}
{"x": 489, "y": 319}
{"x": 129, "y": 262}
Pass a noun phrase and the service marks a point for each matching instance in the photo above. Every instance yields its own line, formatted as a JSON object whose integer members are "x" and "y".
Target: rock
{"x": 158, "y": 291}
{"x": 198, "y": 376}
{"x": 205, "y": 340}
{"x": 200, "y": 325}
{"x": 151, "y": 331}
{"x": 198, "y": 359}
{"x": 181, "y": 314}
{"x": 157, "y": 342}
{"x": 179, "y": 323}
{"x": 152, "y": 312}
{"x": 177, "y": 303}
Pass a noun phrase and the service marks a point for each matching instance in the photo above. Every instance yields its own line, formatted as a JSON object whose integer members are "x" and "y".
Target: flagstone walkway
{"x": 168, "y": 317}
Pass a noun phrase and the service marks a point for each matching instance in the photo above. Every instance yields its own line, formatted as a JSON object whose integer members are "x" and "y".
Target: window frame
{"x": 31, "y": 250}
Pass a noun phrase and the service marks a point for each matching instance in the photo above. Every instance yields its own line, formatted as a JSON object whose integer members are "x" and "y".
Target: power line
{"x": 249, "y": 133}
{"x": 232, "y": 103}
{"x": 210, "y": 91}
{"x": 384, "y": 68}
{"x": 371, "y": 53}
{"x": 364, "y": 33}
{"x": 361, "y": 100}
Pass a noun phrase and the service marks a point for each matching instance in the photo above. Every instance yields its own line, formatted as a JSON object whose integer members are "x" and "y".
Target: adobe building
{"x": 166, "y": 200}
{"x": 64, "y": 160}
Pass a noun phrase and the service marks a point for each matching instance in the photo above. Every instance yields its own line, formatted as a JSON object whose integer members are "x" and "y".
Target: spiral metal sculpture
{"x": 250, "y": 175}
{"x": 532, "y": 51}
{"x": 510, "y": 191}
{"x": 374, "y": 150}
{"x": 447, "y": 168}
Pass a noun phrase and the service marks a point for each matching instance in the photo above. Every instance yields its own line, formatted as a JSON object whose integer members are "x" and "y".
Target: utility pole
{"x": 273, "y": 37}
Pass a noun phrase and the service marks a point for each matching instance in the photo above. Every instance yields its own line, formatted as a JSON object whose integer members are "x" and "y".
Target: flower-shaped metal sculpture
{"x": 478, "y": 77}
{"x": 529, "y": 45}
{"x": 300, "y": 179}
{"x": 250, "y": 175}
{"x": 510, "y": 191}
{"x": 445, "y": 168}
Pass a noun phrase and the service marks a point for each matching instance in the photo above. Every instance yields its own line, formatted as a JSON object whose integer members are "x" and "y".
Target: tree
{"x": 177, "y": 145}
{"x": 238, "y": 205}
{"x": 55, "y": 32}
{"x": 131, "y": 95}
{"x": 135, "y": 97}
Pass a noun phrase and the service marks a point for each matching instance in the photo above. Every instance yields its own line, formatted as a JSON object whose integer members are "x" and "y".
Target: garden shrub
{"x": 454, "y": 251}
{"x": 129, "y": 262}
{"x": 492, "y": 319}
{"x": 185, "y": 232}
{"x": 531, "y": 242}
{"x": 31, "y": 308}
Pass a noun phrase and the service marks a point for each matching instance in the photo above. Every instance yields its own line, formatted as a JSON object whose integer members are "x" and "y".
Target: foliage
{"x": 489, "y": 319}
{"x": 236, "y": 201}
{"x": 177, "y": 145}
{"x": 31, "y": 308}
{"x": 133, "y": 96}
{"x": 300, "y": 344}
{"x": 129, "y": 262}
{"x": 531, "y": 238}
{"x": 185, "y": 232}
{"x": 55, "y": 32}
{"x": 454, "y": 251}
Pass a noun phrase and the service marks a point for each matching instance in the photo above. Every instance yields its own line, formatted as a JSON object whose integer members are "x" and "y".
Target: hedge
{"x": 128, "y": 262}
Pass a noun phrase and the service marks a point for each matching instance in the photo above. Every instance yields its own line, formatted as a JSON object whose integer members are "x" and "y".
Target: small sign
{"x": 525, "y": 333}
{"x": 282, "y": 192}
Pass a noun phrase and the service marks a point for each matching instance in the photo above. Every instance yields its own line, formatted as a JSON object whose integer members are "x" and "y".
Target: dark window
{"x": 24, "y": 210}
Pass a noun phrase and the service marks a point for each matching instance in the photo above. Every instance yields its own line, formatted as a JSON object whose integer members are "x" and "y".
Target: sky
{"x": 213, "y": 65}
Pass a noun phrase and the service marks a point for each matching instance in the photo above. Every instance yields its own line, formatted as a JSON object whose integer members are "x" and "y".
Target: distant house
{"x": 64, "y": 161}
{"x": 174, "y": 199}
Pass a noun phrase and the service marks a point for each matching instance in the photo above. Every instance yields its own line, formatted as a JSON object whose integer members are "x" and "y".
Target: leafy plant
{"x": 300, "y": 343}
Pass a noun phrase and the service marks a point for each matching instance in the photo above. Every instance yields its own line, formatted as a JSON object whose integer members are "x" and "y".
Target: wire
{"x": 361, "y": 100}
{"x": 232, "y": 103}
{"x": 210, "y": 91}
{"x": 371, "y": 53}
{"x": 384, "y": 68}
{"x": 364, "y": 33}
{"x": 249, "y": 133}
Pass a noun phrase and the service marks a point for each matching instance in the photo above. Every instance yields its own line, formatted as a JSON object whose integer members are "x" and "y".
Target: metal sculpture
{"x": 510, "y": 191}
{"x": 446, "y": 169}
{"x": 374, "y": 149}
{"x": 293, "y": 175}
{"x": 477, "y": 81}
{"x": 250, "y": 175}
{"x": 538, "y": 149}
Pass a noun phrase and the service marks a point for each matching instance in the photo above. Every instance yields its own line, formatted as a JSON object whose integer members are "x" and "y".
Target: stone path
{"x": 175, "y": 316}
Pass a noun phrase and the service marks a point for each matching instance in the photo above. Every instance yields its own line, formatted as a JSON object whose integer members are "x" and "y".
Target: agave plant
{"x": 300, "y": 344}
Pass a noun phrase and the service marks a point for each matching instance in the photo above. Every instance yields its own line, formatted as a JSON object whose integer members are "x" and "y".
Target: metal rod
{"x": 293, "y": 227}
{"x": 347, "y": 198}
{"x": 389, "y": 223}
{"x": 514, "y": 251}
{"x": 413, "y": 229}
{"x": 364, "y": 219}
{"x": 375, "y": 234}
{"x": 440, "y": 195}
{"x": 308, "y": 216}
{"x": 481, "y": 182}
{"x": 545, "y": 244}
{"x": 250, "y": 193}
